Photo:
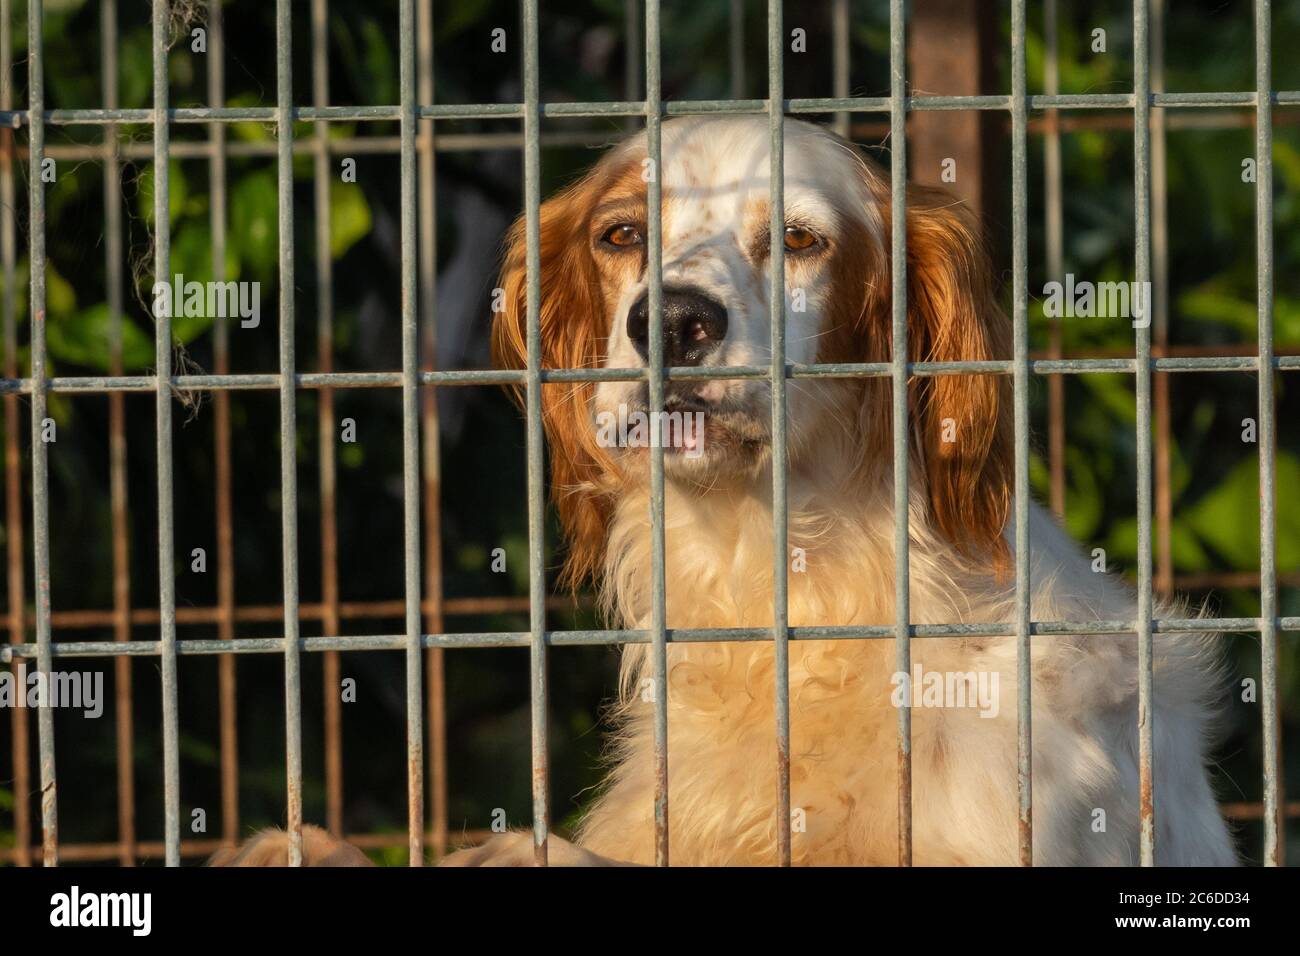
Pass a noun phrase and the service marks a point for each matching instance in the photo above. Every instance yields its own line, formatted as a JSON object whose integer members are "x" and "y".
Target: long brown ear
{"x": 573, "y": 332}
{"x": 964, "y": 421}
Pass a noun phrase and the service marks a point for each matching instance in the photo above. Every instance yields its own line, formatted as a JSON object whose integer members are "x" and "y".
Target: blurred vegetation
{"x": 1214, "y": 474}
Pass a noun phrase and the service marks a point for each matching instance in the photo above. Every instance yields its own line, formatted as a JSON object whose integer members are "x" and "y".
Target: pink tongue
{"x": 690, "y": 439}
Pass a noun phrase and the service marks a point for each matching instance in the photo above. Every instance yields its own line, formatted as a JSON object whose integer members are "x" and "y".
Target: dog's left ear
{"x": 963, "y": 422}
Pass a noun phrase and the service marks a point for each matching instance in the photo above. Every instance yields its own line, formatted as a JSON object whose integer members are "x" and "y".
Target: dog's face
{"x": 716, "y": 306}
{"x": 717, "y": 312}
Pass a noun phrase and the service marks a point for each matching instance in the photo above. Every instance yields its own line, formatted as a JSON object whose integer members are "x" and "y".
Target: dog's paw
{"x": 271, "y": 848}
{"x": 516, "y": 849}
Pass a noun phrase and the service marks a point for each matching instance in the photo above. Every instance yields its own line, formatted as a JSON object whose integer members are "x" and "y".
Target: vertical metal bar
{"x": 13, "y": 463}
{"x": 840, "y": 61}
{"x": 330, "y": 621}
{"x": 1020, "y": 320}
{"x": 411, "y": 445}
{"x": 1055, "y": 241}
{"x": 780, "y": 531}
{"x": 1267, "y": 433}
{"x": 288, "y": 429}
{"x": 1142, "y": 228}
{"x": 1164, "y": 565}
{"x": 434, "y": 661}
{"x": 736, "y": 49}
{"x": 631, "y": 65}
{"x": 163, "y": 424}
{"x": 533, "y": 379}
{"x": 40, "y": 452}
{"x": 898, "y": 279}
{"x": 655, "y": 360}
{"x": 117, "y": 445}
{"x": 226, "y": 676}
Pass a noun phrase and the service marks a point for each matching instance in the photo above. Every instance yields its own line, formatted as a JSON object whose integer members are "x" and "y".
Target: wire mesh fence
{"x": 424, "y": 637}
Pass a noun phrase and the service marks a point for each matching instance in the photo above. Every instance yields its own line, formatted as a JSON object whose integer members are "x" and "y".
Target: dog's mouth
{"x": 693, "y": 431}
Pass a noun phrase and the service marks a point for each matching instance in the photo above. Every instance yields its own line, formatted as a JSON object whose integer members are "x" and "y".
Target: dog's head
{"x": 716, "y": 312}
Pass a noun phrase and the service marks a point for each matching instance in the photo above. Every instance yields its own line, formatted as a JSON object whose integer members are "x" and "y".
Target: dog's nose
{"x": 694, "y": 325}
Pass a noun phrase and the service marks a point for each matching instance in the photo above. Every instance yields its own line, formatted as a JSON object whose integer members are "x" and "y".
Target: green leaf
{"x": 1227, "y": 517}
{"x": 250, "y": 131}
{"x": 1084, "y": 500}
{"x": 84, "y": 339}
{"x": 60, "y": 299}
{"x": 349, "y": 217}
{"x": 1185, "y": 549}
{"x": 254, "y": 230}
{"x": 177, "y": 192}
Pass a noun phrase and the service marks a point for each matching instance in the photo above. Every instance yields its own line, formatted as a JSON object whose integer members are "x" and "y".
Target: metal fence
{"x": 424, "y": 637}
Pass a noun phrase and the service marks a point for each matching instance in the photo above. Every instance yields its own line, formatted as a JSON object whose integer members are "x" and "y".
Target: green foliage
{"x": 349, "y": 217}
{"x": 86, "y": 340}
{"x": 1226, "y": 518}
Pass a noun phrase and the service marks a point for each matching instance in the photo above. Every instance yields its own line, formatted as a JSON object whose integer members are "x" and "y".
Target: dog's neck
{"x": 719, "y": 551}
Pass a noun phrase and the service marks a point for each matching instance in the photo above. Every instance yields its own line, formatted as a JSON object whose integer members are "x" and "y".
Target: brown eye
{"x": 622, "y": 235}
{"x": 797, "y": 239}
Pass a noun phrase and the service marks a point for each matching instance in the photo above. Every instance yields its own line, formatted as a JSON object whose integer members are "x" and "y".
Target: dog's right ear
{"x": 573, "y": 332}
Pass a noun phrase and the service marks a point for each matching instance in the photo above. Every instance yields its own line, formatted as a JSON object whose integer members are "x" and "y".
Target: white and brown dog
{"x": 843, "y": 694}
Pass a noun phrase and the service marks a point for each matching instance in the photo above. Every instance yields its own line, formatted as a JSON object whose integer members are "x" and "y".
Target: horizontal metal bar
{"x": 637, "y": 108}
{"x": 565, "y": 638}
{"x": 87, "y": 618}
{"x": 190, "y": 849}
{"x": 341, "y": 146}
{"x": 473, "y": 142}
{"x": 270, "y": 381}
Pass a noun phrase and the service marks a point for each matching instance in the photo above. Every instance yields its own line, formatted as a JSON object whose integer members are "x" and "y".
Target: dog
{"x": 844, "y": 694}
{"x": 722, "y": 766}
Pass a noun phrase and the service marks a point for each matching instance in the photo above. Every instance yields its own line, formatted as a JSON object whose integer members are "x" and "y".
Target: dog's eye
{"x": 623, "y": 235}
{"x": 798, "y": 238}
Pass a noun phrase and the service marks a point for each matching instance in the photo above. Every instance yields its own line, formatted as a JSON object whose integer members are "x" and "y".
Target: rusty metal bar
{"x": 40, "y": 450}
{"x": 431, "y": 492}
{"x": 13, "y": 462}
{"x": 1020, "y": 321}
{"x": 532, "y": 116}
{"x": 124, "y": 703}
{"x": 780, "y": 421}
{"x": 655, "y": 396}
{"x": 325, "y": 434}
{"x": 1054, "y": 227}
{"x": 1269, "y": 700}
{"x": 225, "y": 610}
{"x": 411, "y": 442}
{"x": 1164, "y": 517}
{"x": 898, "y": 378}
{"x": 1142, "y": 385}
{"x": 163, "y": 425}
{"x": 840, "y": 62}
{"x": 288, "y": 431}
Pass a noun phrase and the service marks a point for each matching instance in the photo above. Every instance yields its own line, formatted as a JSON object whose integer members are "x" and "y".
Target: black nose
{"x": 694, "y": 325}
